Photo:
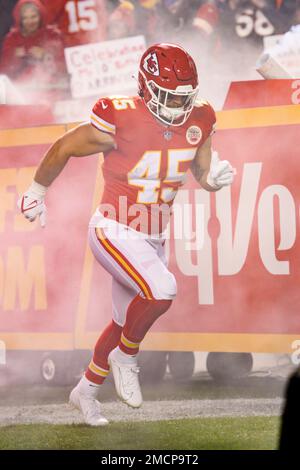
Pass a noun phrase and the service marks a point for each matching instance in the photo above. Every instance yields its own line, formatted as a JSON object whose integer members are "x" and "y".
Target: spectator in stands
{"x": 236, "y": 29}
{"x": 32, "y": 50}
{"x": 179, "y": 22}
{"x": 178, "y": 14}
{"x": 157, "y": 20}
{"x": 121, "y": 22}
{"x": 140, "y": 17}
{"x": 6, "y": 19}
{"x": 80, "y": 21}
{"x": 149, "y": 20}
{"x": 296, "y": 17}
{"x": 246, "y": 20}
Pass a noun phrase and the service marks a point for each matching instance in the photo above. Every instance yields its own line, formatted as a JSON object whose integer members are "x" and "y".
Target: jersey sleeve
{"x": 207, "y": 116}
{"x": 103, "y": 116}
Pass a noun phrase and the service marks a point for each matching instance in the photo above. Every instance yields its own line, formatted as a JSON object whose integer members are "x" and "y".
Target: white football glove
{"x": 220, "y": 173}
{"x": 32, "y": 203}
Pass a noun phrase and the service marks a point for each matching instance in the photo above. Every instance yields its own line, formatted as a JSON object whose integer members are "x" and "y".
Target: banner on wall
{"x": 237, "y": 291}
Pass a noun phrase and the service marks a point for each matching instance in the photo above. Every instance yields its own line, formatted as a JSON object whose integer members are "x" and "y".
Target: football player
{"x": 149, "y": 142}
{"x": 80, "y": 21}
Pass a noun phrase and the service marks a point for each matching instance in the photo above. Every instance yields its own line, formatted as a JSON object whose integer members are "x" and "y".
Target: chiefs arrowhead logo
{"x": 151, "y": 64}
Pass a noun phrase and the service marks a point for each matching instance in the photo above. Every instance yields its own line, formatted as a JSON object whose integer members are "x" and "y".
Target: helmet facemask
{"x": 172, "y": 107}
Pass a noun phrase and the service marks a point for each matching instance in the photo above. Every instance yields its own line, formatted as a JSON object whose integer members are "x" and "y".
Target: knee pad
{"x": 166, "y": 287}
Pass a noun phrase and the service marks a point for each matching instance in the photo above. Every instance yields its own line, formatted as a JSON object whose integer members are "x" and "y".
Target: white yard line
{"x": 150, "y": 411}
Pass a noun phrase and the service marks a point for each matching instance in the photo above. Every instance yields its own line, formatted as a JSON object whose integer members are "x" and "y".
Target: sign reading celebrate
{"x": 105, "y": 67}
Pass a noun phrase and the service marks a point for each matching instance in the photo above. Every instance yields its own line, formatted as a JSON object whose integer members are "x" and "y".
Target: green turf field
{"x": 198, "y": 434}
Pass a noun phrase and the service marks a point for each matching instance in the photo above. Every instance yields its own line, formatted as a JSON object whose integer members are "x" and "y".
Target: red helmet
{"x": 168, "y": 83}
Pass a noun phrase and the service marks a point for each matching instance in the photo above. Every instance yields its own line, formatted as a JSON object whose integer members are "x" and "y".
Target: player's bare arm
{"x": 211, "y": 172}
{"x": 201, "y": 164}
{"x": 82, "y": 141}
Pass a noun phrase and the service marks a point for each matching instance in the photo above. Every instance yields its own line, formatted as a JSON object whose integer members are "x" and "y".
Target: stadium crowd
{"x": 34, "y": 33}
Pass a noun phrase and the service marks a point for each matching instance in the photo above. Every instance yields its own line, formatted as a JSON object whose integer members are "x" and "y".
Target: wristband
{"x": 37, "y": 188}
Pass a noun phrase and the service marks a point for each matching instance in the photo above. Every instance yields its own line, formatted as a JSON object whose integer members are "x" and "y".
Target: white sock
{"x": 87, "y": 387}
{"x": 123, "y": 357}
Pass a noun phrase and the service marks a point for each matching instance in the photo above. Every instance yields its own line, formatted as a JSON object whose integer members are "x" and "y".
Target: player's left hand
{"x": 221, "y": 172}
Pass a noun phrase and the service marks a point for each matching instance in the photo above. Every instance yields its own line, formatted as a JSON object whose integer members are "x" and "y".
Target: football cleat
{"x": 89, "y": 406}
{"x": 126, "y": 380}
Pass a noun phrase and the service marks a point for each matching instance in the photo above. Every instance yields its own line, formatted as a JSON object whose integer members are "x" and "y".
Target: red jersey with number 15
{"x": 144, "y": 171}
{"x": 80, "y": 21}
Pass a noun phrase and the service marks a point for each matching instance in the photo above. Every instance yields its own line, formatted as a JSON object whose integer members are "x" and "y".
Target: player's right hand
{"x": 221, "y": 172}
{"x": 32, "y": 204}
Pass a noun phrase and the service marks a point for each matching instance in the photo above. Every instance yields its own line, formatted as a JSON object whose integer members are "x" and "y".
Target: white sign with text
{"x": 104, "y": 67}
{"x": 281, "y": 58}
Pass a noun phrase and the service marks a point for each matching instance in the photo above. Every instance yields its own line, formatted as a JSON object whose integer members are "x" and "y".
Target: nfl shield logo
{"x": 168, "y": 135}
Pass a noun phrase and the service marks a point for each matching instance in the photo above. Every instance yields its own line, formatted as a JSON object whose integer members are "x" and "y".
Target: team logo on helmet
{"x": 151, "y": 64}
{"x": 193, "y": 135}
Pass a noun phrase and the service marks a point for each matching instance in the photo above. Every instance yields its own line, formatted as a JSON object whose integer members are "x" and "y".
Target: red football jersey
{"x": 81, "y": 21}
{"x": 149, "y": 163}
